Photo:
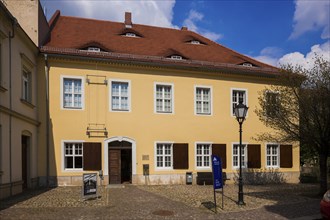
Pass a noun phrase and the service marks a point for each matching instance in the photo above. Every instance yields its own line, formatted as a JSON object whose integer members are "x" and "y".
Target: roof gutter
{"x": 242, "y": 71}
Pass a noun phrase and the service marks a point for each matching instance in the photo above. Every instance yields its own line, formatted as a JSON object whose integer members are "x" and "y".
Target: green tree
{"x": 297, "y": 107}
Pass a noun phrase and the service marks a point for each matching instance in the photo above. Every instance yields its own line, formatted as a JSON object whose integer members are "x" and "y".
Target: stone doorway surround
{"x": 106, "y": 154}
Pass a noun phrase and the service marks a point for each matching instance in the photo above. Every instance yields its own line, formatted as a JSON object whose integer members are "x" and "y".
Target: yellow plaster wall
{"x": 147, "y": 127}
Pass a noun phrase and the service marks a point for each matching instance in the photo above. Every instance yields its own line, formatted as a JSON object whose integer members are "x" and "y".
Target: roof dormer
{"x": 247, "y": 64}
{"x": 93, "y": 46}
{"x": 176, "y": 57}
{"x": 94, "y": 49}
{"x": 193, "y": 40}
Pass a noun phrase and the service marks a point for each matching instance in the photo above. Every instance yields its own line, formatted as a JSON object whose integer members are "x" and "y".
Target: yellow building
{"x": 147, "y": 104}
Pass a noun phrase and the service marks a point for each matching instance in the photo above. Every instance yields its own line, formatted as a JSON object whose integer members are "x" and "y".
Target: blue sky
{"x": 273, "y": 31}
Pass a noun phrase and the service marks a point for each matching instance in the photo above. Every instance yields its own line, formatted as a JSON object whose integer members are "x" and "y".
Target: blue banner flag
{"x": 217, "y": 172}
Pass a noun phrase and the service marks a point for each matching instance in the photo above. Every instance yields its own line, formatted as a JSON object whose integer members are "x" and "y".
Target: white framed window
{"x": 72, "y": 92}
{"x": 272, "y": 155}
{"x": 238, "y": 95}
{"x": 272, "y": 103}
{"x": 236, "y": 156}
{"x": 120, "y": 94}
{"x": 72, "y": 155}
{"x": 26, "y": 85}
{"x": 164, "y": 155}
{"x": 164, "y": 101}
{"x": 203, "y": 155}
{"x": 203, "y": 100}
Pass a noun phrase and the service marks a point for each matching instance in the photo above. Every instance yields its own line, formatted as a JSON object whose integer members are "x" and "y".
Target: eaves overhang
{"x": 157, "y": 61}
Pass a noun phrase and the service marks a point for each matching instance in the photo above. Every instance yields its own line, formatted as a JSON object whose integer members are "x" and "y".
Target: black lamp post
{"x": 240, "y": 113}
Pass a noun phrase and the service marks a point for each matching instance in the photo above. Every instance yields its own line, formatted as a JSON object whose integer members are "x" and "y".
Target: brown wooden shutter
{"x": 254, "y": 155}
{"x": 220, "y": 151}
{"x": 180, "y": 156}
{"x": 286, "y": 156}
{"x": 92, "y": 156}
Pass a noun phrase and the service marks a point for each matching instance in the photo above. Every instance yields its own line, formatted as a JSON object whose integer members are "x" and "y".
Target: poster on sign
{"x": 217, "y": 178}
{"x": 89, "y": 185}
{"x": 217, "y": 172}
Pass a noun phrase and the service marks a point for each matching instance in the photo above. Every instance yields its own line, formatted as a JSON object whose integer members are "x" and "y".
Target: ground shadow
{"x": 209, "y": 205}
{"x": 300, "y": 204}
{"x": 18, "y": 198}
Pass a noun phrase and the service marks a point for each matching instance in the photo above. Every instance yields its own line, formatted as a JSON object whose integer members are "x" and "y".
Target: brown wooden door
{"x": 24, "y": 161}
{"x": 114, "y": 166}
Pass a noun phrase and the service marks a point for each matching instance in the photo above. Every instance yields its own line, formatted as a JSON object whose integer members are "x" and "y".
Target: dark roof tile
{"x": 76, "y": 33}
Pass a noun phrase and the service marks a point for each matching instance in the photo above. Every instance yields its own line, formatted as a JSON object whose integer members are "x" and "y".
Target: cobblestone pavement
{"x": 162, "y": 202}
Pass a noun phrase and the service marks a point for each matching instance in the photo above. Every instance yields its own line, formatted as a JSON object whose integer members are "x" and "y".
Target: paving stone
{"x": 284, "y": 201}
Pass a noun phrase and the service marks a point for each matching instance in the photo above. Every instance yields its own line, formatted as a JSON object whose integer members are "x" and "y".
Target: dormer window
{"x": 176, "y": 57}
{"x": 93, "y": 49}
{"x": 130, "y": 34}
{"x": 195, "y": 42}
{"x": 247, "y": 64}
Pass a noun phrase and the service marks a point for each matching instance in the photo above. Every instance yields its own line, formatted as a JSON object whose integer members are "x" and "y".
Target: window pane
{"x": 206, "y": 107}
{"x": 78, "y": 162}
{"x": 168, "y": 105}
{"x": 77, "y": 100}
{"x": 67, "y": 85}
{"x": 69, "y": 162}
{"x": 167, "y": 161}
{"x": 77, "y": 86}
{"x": 124, "y": 89}
{"x": 206, "y": 161}
{"x": 198, "y": 94}
{"x": 115, "y": 89}
{"x": 115, "y": 102}
{"x": 160, "y": 161}
{"x": 167, "y": 92}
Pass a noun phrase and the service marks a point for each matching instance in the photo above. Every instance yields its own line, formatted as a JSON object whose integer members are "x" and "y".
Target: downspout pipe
{"x": 47, "y": 119}
{"x": 11, "y": 36}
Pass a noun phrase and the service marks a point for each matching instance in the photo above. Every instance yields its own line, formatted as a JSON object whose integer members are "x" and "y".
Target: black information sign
{"x": 89, "y": 185}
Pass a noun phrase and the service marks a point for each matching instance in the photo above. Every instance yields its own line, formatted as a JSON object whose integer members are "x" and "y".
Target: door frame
{"x": 28, "y": 140}
{"x": 106, "y": 158}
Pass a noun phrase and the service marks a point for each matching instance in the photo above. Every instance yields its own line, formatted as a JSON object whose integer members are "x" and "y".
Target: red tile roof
{"x": 152, "y": 43}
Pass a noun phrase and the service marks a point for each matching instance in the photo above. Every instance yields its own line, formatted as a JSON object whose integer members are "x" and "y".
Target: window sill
{"x": 164, "y": 113}
{"x": 2, "y": 89}
{"x": 73, "y": 170}
{"x": 203, "y": 114}
{"x": 27, "y": 103}
{"x": 72, "y": 108}
{"x": 163, "y": 168}
{"x": 204, "y": 168}
{"x": 120, "y": 110}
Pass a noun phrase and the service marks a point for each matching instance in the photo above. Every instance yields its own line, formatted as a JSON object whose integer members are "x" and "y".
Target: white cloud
{"x": 156, "y": 13}
{"x": 269, "y": 55}
{"x": 191, "y": 22}
{"x": 306, "y": 61}
{"x": 311, "y": 16}
{"x": 273, "y": 56}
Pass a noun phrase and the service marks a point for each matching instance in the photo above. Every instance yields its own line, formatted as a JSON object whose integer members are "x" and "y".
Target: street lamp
{"x": 240, "y": 112}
